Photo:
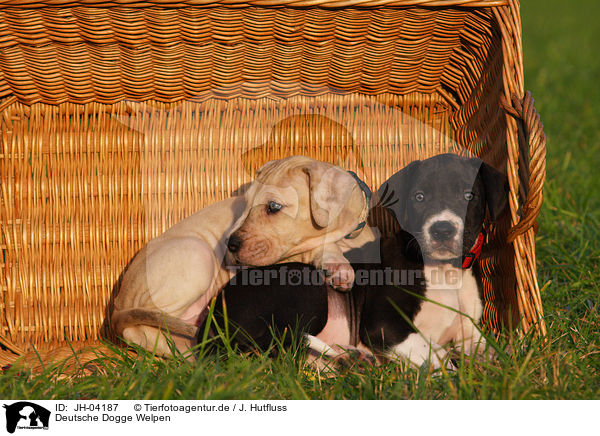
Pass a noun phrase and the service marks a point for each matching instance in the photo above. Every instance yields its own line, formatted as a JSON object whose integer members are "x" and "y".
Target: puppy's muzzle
{"x": 234, "y": 244}
{"x": 442, "y": 231}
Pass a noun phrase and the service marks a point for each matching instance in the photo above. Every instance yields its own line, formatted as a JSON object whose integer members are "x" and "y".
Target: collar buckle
{"x": 475, "y": 252}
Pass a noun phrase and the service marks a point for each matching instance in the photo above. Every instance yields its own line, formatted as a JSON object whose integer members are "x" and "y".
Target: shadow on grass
{"x": 530, "y": 369}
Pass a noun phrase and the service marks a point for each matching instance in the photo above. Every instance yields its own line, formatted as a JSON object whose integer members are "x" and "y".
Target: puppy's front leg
{"x": 339, "y": 274}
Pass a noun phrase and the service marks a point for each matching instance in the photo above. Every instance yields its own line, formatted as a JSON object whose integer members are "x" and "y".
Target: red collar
{"x": 470, "y": 257}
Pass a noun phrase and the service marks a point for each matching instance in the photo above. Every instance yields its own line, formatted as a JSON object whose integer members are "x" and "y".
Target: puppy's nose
{"x": 442, "y": 230}
{"x": 234, "y": 244}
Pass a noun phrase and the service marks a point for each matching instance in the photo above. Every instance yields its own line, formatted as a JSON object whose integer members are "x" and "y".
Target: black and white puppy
{"x": 440, "y": 205}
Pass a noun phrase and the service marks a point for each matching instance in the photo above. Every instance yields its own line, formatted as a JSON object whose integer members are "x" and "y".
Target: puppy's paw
{"x": 354, "y": 358}
{"x": 421, "y": 353}
{"x": 446, "y": 363}
{"x": 474, "y": 346}
{"x": 339, "y": 276}
{"x": 440, "y": 358}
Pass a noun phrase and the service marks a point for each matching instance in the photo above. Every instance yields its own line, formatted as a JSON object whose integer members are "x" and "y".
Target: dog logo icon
{"x": 294, "y": 278}
{"x": 26, "y": 415}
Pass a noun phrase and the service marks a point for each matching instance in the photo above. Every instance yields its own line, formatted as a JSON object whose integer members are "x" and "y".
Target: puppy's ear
{"x": 330, "y": 188}
{"x": 496, "y": 190}
{"x": 393, "y": 193}
{"x": 265, "y": 167}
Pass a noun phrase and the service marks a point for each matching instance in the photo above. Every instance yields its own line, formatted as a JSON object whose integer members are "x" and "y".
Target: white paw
{"x": 420, "y": 352}
{"x": 474, "y": 346}
{"x": 440, "y": 358}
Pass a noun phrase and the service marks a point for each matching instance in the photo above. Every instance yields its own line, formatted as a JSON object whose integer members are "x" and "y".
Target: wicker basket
{"x": 120, "y": 118}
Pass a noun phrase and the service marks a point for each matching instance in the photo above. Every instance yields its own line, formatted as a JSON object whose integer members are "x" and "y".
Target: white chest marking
{"x": 450, "y": 291}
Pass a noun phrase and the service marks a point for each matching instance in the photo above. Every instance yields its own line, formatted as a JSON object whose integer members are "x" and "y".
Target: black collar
{"x": 367, "y": 193}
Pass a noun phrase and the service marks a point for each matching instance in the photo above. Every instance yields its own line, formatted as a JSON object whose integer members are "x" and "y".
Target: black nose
{"x": 234, "y": 244}
{"x": 442, "y": 230}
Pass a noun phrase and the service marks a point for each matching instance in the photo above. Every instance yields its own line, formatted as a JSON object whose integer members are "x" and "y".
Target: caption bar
{"x": 249, "y": 417}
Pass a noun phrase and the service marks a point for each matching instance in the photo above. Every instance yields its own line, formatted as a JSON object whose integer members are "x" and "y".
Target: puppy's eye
{"x": 468, "y": 196}
{"x": 419, "y": 196}
{"x": 273, "y": 207}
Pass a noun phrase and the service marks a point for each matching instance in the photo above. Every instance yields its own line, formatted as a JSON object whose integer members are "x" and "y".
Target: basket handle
{"x": 523, "y": 110}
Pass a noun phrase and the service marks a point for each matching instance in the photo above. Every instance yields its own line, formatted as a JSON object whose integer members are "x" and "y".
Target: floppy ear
{"x": 265, "y": 166}
{"x": 393, "y": 193}
{"x": 330, "y": 188}
{"x": 496, "y": 189}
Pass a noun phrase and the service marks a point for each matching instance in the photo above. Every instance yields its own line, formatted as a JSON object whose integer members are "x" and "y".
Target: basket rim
{"x": 31, "y": 4}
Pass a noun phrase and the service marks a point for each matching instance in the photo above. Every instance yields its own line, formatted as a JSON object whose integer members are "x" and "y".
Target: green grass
{"x": 562, "y": 67}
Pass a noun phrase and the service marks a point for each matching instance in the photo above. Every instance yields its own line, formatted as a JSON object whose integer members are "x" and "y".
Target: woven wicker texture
{"x": 116, "y": 123}
{"x": 84, "y": 55}
{"x": 271, "y": 3}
